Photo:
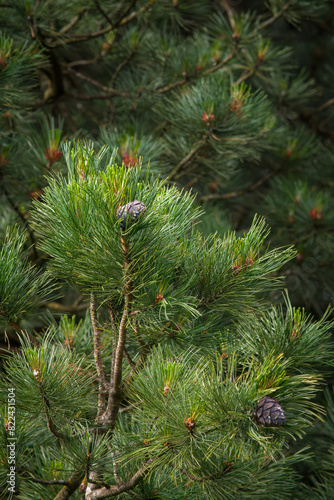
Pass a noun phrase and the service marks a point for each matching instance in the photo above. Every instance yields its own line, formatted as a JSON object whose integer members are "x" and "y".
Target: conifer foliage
{"x": 231, "y": 98}
{"x": 158, "y": 393}
{"x": 166, "y": 377}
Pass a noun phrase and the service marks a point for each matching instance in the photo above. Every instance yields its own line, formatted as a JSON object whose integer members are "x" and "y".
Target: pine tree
{"x": 181, "y": 380}
{"x": 231, "y": 99}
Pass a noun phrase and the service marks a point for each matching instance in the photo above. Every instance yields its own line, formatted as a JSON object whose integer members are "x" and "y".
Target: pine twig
{"x": 272, "y": 19}
{"x": 97, "y": 356}
{"x": 249, "y": 189}
{"x": 76, "y": 307}
{"x": 229, "y": 12}
{"x": 103, "y": 14}
{"x": 25, "y": 474}
{"x": 187, "y": 158}
{"x": 72, "y": 484}
{"x": 121, "y": 66}
{"x": 24, "y": 221}
{"x": 110, "y": 91}
{"x": 89, "y": 36}
{"x": 326, "y": 105}
{"x": 117, "y": 479}
{"x": 249, "y": 73}
{"x": 73, "y": 22}
{"x": 128, "y": 358}
{"x": 17, "y": 327}
{"x": 109, "y": 417}
{"x": 115, "y": 490}
{"x": 51, "y": 426}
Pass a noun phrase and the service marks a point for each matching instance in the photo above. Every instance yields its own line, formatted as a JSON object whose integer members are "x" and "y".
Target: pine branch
{"x": 72, "y": 484}
{"x": 73, "y": 21}
{"x": 223, "y": 63}
{"x": 128, "y": 358}
{"x": 229, "y": 12}
{"x": 212, "y": 477}
{"x": 249, "y": 73}
{"x": 26, "y": 475}
{"x": 97, "y": 357}
{"x": 117, "y": 479}
{"x": 180, "y": 166}
{"x": 121, "y": 22}
{"x": 113, "y": 491}
{"x": 109, "y": 418}
{"x": 121, "y": 66}
{"x": 21, "y": 217}
{"x": 76, "y": 307}
{"x": 180, "y": 83}
{"x": 324, "y": 106}
{"x": 111, "y": 91}
{"x": 272, "y": 19}
{"x": 235, "y": 194}
{"x": 51, "y": 426}
{"x": 101, "y": 11}
{"x": 17, "y": 327}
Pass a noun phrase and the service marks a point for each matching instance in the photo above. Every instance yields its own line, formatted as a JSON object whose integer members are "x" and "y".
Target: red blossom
{"x": 315, "y": 213}
{"x": 52, "y": 155}
{"x": 208, "y": 117}
{"x": 190, "y": 424}
{"x": 159, "y": 298}
{"x": 235, "y": 105}
{"x": 128, "y": 159}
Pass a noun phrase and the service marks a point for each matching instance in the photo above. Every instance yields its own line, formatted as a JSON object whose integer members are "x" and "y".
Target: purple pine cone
{"x": 130, "y": 212}
{"x": 269, "y": 412}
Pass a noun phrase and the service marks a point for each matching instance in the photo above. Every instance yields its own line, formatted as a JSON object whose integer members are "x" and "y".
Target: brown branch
{"x": 72, "y": 484}
{"x": 51, "y": 426}
{"x": 187, "y": 158}
{"x": 235, "y": 194}
{"x": 326, "y": 105}
{"x": 111, "y": 91}
{"x": 229, "y": 12}
{"x": 121, "y": 66}
{"x": 17, "y": 327}
{"x": 99, "y": 8}
{"x": 180, "y": 83}
{"x": 56, "y": 306}
{"x": 24, "y": 475}
{"x": 271, "y": 19}
{"x": 139, "y": 311}
{"x": 96, "y": 34}
{"x": 171, "y": 86}
{"x": 117, "y": 479}
{"x": 88, "y": 97}
{"x": 73, "y": 21}
{"x": 97, "y": 357}
{"x": 109, "y": 417}
{"x": 249, "y": 73}
{"x": 115, "y": 490}
{"x": 24, "y": 221}
{"x": 128, "y": 358}
{"x": 136, "y": 366}
{"x": 222, "y": 63}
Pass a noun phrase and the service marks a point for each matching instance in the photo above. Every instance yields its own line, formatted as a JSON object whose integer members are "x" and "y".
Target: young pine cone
{"x": 130, "y": 212}
{"x": 269, "y": 412}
